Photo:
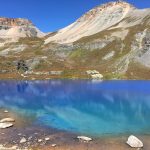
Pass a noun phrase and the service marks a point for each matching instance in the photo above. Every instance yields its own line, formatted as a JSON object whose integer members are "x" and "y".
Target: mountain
{"x": 11, "y": 28}
{"x": 94, "y": 21}
{"x": 113, "y": 38}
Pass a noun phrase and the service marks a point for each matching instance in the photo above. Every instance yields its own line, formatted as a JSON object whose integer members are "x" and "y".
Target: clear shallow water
{"x": 83, "y": 107}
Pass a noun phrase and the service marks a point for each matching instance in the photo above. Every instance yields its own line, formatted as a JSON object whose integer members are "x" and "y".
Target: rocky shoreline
{"x": 45, "y": 75}
{"x": 33, "y": 137}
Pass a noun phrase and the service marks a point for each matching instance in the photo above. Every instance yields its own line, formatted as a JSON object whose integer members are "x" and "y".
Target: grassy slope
{"x": 79, "y": 60}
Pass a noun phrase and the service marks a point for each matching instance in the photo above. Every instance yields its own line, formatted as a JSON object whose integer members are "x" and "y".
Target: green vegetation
{"x": 39, "y": 66}
{"x": 78, "y": 53}
{"x": 111, "y": 76}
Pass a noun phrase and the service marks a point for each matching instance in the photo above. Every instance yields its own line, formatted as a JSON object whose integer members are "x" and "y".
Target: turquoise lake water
{"x": 82, "y": 107}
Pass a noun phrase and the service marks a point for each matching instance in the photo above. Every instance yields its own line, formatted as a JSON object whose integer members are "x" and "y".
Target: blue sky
{"x": 50, "y": 15}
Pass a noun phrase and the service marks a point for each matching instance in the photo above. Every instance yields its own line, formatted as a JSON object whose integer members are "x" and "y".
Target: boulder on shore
{"x": 134, "y": 142}
{"x": 5, "y": 125}
{"x": 7, "y": 120}
{"x": 6, "y": 148}
{"x": 23, "y": 140}
{"x": 95, "y": 75}
{"x": 84, "y": 138}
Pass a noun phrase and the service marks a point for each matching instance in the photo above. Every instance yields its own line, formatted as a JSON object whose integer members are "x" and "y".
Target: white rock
{"x": 5, "y": 125}
{"x": 23, "y": 140}
{"x": 53, "y": 145}
{"x": 6, "y": 148}
{"x": 6, "y": 111}
{"x": 40, "y": 140}
{"x": 97, "y": 76}
{"x": 84, "y": 138}
{"x": 134, "y": 142}
{"x": 47, "y": 139}
{"x": 92, "y": 72}
{"x": 7, "y": 120}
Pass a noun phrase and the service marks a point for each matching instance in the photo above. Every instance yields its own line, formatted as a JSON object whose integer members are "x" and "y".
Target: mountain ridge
{"x": 94, "y": 21}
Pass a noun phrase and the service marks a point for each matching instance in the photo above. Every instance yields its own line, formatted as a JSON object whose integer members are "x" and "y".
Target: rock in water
{"x": 84, "y": 138}
{"x": 5, "y": 125}
{"x": 23, "y": 140}
{"x": 134, "y": 142}
{"x": 7, "y": 120}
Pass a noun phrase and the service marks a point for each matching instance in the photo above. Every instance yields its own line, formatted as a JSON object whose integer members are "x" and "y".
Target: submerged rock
{"x": 84, "y": 138}
{"x": 7, "y": 120}
{"x": 5, "y": 125}
{"x": 23, "y": 140}
{"x": 134, "y": 142}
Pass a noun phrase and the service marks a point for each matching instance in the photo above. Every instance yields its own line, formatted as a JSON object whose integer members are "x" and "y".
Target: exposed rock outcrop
{"x": 14, "y": 28}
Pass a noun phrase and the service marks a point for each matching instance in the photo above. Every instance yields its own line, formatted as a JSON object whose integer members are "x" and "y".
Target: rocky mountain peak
{"x": 106, "y": 7}
{"x": 14, "y": 22}
{"x": 94, "y": 21}
{"x": 15, "y": 28}
{"x": 116, "y": 3}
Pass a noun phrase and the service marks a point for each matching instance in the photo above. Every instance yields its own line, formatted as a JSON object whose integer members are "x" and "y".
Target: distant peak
{"x": 115, "y": 3}
{"x": 14, "y": 21}
{"x": 99, "y": 9}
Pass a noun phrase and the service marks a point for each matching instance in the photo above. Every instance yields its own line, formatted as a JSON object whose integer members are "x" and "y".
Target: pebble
{"x": 84, "y": 138}
{"x": 47, "y": 139}
{"x": 53, "y": 145}
{"x": 30, "y": 138}
{"x": 40, "y": 140}
{"x": 23, "y": 140}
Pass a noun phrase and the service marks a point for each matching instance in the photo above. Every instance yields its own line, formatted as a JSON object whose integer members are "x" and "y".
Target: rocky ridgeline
{"x": 15, "y": 28}
{"x": 101, "y": 8}
{"x": 14, "y": 22}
